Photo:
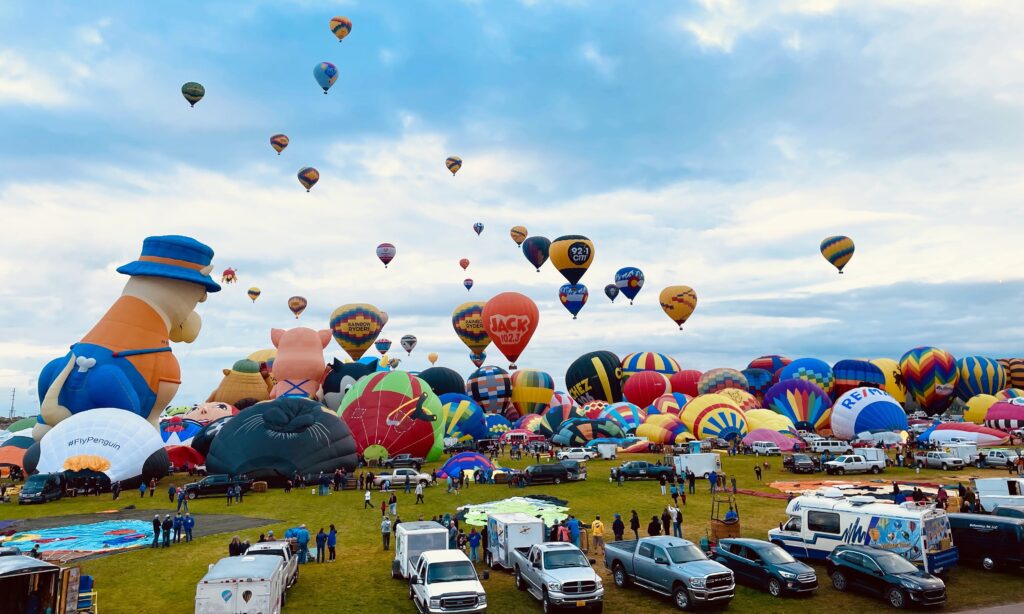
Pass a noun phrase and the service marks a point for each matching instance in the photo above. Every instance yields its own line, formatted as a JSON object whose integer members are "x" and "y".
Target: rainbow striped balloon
{"x": 837, "y": 250}
{"x": 930, "y": 375}
{"x": 531, "y": 391}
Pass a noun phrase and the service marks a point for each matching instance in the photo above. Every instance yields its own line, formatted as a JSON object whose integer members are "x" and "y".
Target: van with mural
{"x": 818, "y": 523}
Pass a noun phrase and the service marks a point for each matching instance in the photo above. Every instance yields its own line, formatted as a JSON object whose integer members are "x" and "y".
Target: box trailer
{"x": 506, "y": 532}
{"x": 241, "y": 585}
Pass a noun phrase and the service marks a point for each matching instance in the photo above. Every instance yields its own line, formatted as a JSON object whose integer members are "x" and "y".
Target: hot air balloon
{"x": 977, "y": 407}
{"x": 850, "y": 374}
{"x": 432, "y": 357}
{"x": 627, "y": 415}
{"x": 611, "y": 291}
{"x": 518, "y": 234}
{"x": 716, "y": 380}
{"x": 464, "y": 263}
{"x": 678, "y": 302}
{"x": 408, "y": 343}
{"x": 743, "y": 399}
{"x": 478, "y": 358}
{"x": 177, "y": 431}
{"x": 768, "y": 420}
{"x": 453, "y": 164}
{"x": 443, "y": 381}
{"x": 562, "y": 409}
{"x": 629, "y": 281}
{"x": 837, "y": 250}
{"x": 463, "y": 419}
{"x": 279, "y": 142}
{"x": 308, "y": 176}
{"x": 193, "y": 92}
{"x": 254, "y": 293}
{"x": 531, "y": 391}
{"x": 770, "y": 363}
{"x": 931, "y": 376}
{"x": 663, "y": 429}
{"x": 648, "y": 361}
{"x": 644, "y": 387}
{"x": 355, "y": 327}
{"x": 383, "y": 317}
{"x": 382, "y": 345}
{"x": 669, "y": 404}
{"x": 297, "y": 304}
{"x": 1005, "y": 415}
{"x": 758, "y": 381}
{"x": 595, "y": 376}
{"x": 1014, "y": 368}
{"x": 803, "y": 402}
{"x": 894, "y": 384}
{"x": 536, "y": 250}
{"x": 713, "y": 415}
{"x": 491, "y": 387}
{"x": 593, "y": 409}
{"x": 393, "y": 413}
{"x": 467, "y": 284}
{"x": 578, "y": 431}
{"x": 478, "y": 227}
{"x": 386, "y": 253}
{"x": 979, "y": 375}
{"x": 325, "y": 74}
{"x": 686, "y": 381}
{"x": 467, "y": 320}
{"x": 812, "y": 370}
{"x": 510, "y": 320}
{"x": 572, "y": 255}
{"x": 340, "y": 26}
{"x": 573, "y": 297}
{"x": 947, "y": 432}
{"x": 1009, "y": 393}
{"x": 867, "y": 409}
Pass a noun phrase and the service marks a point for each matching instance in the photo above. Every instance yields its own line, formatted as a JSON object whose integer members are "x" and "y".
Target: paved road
{"x": 1013, "y": 608}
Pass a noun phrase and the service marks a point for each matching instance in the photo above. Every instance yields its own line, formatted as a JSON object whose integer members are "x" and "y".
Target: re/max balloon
{"x": 678, "y": 303}
{"x": 467, "y": 284}
{"x": 866, "y": 409}
{"x": 611, "y": 291}
{"x": 355, "y": 327}
{"x": 837, "y": 250}
{"x": 629, "y": 281}
{"x": 595, "y": 376}
{"x": 279, "y": 142}
{"x": 510, "y": 320}
{"x": 325, "y": 74}
{"x": 573, "y": 297}
{"x": 536, "y": 251}
{"x": 572, "y": 255}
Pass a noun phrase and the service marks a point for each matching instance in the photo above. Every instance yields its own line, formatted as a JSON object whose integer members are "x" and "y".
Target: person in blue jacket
{"x": 178, "y": 524}
{"x": 321, "y": 546}
{"x": 302, "y": 537}
{"x": 332, "y": 542}
{"x": 574, "y": 530}
{"x": 188, "y": 523}
{"x": 474, "y": 545}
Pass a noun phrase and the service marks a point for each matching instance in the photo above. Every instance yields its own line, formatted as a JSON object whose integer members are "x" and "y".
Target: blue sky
{"x": 711, "y": 143}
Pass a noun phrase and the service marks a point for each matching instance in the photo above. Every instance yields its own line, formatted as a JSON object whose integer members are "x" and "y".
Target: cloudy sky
{"x": 710, "y": 143}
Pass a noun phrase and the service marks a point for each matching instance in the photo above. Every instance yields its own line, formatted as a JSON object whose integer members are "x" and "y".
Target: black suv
{"x": 554, "y": 473}
{"x": 216, "y": 484}
{"x": 799, "y": 463}
{"x": 883, "y": 574}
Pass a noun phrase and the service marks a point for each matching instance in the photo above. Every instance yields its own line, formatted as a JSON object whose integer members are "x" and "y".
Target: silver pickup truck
{"x": 670, "y": 566}
{"x": 559, "y": 575}
{"x": 938, "y": 460}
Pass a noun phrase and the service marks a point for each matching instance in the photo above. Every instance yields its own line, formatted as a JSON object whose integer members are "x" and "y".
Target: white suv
{"x": 577, "y": 454}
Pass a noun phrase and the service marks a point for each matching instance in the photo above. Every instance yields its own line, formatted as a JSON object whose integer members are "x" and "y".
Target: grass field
{"x": 164, "y": 580}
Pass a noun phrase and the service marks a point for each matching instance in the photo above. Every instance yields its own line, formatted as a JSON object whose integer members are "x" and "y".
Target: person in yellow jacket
{"x": 597, "y": 530}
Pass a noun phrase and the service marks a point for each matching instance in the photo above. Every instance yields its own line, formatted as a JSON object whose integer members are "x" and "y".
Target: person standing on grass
{"x": 321, "y": 546}
{"x": 713, "y": 481}
{"x": 171, "y": 492}
{"x": 385, "y": 532}
{"x": 691, "y": 480}
{"x": 182, "y": 500}
{"x": 238, "y": 493}
{"x": 188, "y": 523}
{"x": 620, "y": 479}
{"x": 674, "y": 491}
{"x": 408, "y": 484}
{"x": 666, "y": 521}
{"x": 574, "y": 530}
{"x": 231, "y": 494}
{"x": 597, "y": 530}
{"x": 366, "y": 500}
{"x": 383, "y": 507}
{"x": 757, "y": 472}
{"x": 634, "y": 524}
{"x": 677, "y": 521}
{"x": 332, "y": 542}
{"x": 662, "y": 480}
{"x": 177, "y": 527}
{"x": 419, "y": 493}
{"x": 142, "y": 490}
{"x": 302, "y": 536}
{"x": 618, "y": 527}
{"x": 654, "y": 527}
{"x": 165, "y": 529}
{"x": 152, "y": 486}
{"x": 393, "y": 504}
{"x": 156, "y": 530}
{"x": 474, "y": 545}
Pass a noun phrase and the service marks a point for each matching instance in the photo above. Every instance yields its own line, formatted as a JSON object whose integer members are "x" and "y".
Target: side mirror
{"x": 878, "y": 572}
{"x": 661, "y": 561}
{"x": 536, "y": 564}
{"x": 780, "y": 526}
{"x": 487, "y": 575}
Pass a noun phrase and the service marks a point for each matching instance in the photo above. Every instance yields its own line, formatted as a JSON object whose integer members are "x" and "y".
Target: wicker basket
{"x": 720, "y": 529}
{"x": 259, "y": 487}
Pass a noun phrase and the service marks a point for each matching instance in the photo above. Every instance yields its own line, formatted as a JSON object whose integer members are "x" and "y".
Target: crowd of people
{"x": 172, "y": 529}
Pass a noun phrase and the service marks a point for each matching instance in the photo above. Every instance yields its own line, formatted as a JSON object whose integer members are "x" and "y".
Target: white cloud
{"x": 592, "y": 55}
{"x": 27, "y": 84}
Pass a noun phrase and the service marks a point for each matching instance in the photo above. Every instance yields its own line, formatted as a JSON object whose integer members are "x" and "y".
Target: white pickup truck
{"x": 558, "y": 575}
{"x": 281, "y": 549}
{"x": 854, "y": 463}
{"x": 445, "y": 582}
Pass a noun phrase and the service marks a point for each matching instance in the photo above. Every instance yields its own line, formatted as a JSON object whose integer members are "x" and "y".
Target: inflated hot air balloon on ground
{"x": 383, "y": 345}
{"x": 758, "y": 381}
{"x": 572, "y": 255}
{"x": 573, "y": 297}
{"x": 611, "y": 291}
{"x": 497, "y": 425}
{"x": 672, "y": 403}
{"x": 770, "y": 363}
{"x": 867, "y": 410}
{"x": 1006, "y": 415}
{"x": 453, "y": 164}
{"x": 686, "y": 381}
{"x": 279, "y": 142}
{"x": 467, "y": 320}
{"x": 837, "y": 250}
{"x": 408, "y": 343}
{"x": 593, "y": 409}
{"x": 529, "y": 422}
{"x": 627, "y": 415}
{"x": 977, "y": 407}
{"x": 743, "y": 399}
{"x": 465, "y": 464}
{"x": 536, "y": 250}
{"x": 254, "y": 293}
{"x": 766, "y": 419}
{"x": 193, "y": 92}
{"x": 443, "y": 380}
{"x": 518, "y": 234}
{"x": 850, "y": 374}
{"x": 1014, "y": 369}
{"x": 432, "y": 357}
{"x": 678, "y": 303}
{"x": 491, "y": 387}
{"x": 531, "y": 391}
{"x": 325, "y": 74}
{"x": 811, "y": 369}
{"x": 713, "y": 415}
{"x": 1009, "y": 393}
{"x": 510, "y": 320}
{"x": 340, "y": 27}
{"x": 595, "y": 376}
{"x": 946, "y": 432}
{"x": 894, "y": 384}
{"x": 297, "y": 304}
{"x": 629, "y": 281}
{"x": 393, "y": 413}
{"x": 643, "y": 387}
{"x": 578, "y": 431}
{"x": 664, "y": 429}
{"x": 478, "y": 228}
{"x": 930, "y": 375}
{"x": 806, "y": 405}
{"x": 649, "y": 361}
{"x": 979, "y": 375}
{"x": 464, "y": 263}
{"x": 719, "y": 379}
{"x": 467, "y": 284}
{"x": 177, "y": 431}
{"x": 562, "y": 409}
{"x": 386, "y": 253}
{"x": 463, "y": 418}
{"x": 355, "y": 327}
{"x": 308, "y": 176}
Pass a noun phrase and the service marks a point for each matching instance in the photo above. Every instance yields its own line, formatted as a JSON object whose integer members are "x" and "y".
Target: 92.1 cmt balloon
{"x": 518, "y": 234}
{"x": 572, "y": 255}
{"x": 254, "y": 293}
{"x": 453, "y": 164}
{"x": 536, "y": 250}
{"x": 325, "y": 74}
{"x": 573, "y": 297}
{"x": 510, "y": 319}
{"x": 629, "y": 281}
{"x": 279, "y": 142}
{"x": 341, "y": 26}
{"x": 408, "y": 343}
{"x": 611, "y": 291}
{"x": 837, "y": 250}
{"x": 678, "y": 303}
{"x": 308, "y": 177}
{"x": 478, "y": 228}
{"x": 464, "y": 263}
{"x": 297, "y": 304}
{"x": 468, "y": 284}
{"x": 193, "y": 92}
{"x": 386, "y": 252}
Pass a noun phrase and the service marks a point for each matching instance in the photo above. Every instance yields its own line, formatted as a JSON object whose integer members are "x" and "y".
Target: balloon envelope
{"x": 463, "y": 418}
{"x": 531, "y": 391}
{"x": 717, "y": 380}
{"x": 867, "y": 409}
{"x": 279, "y": 142}
{"x": 686, "y": 381}
{"x": 254, "y": 293}
{"x": 453, "y": 164}
{"x": 443, "y": 380}
{"x": 578, "y": 431}
{"x": 478, "y": 228}
{"x": 644, "y": 387}
{"x": 573, "y": 297}
{"x": 572, "y": 255}
{"x": 491, "y": 387}
{"x": 930, "y": 375}
{"x": 297, "y": 304}
{"x": 193, "y": 92}
{"x": 807, "y": 406}
{"x": 812, "y": 370}
{"x": 611, "y": 291}
{"x": 713, "y": 415}
{"x": 386, "y": 253}
{"x": 518, "y": 234}
{"x": 893, "y": 378}
{"x": 536, "y": 250}
{"x": 977, "y": 408}
{"x": 850, "y": 374}
{"x": 678, "y": 303}
{"x": 355, "y": 327}
{"x": 837, "y": 250}
{"x": 979, "y": 375}
{"x": 308, "y": 176}
{"x": 340, "y": 27}
{"x": 510, "y": 320}
{"x": 408, "y": 343}
{"x": 325, "y": 74}
{"x": 467, "y": 320}
{"x": 629, "y": 281}
{"x": 595, "y": 376}
{"x": 467, "y": 283}
{"x": 649, "y": 361}
{"x": 389, "y": 414}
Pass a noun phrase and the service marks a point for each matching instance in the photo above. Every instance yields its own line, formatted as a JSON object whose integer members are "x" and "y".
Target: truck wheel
{"x": 945, "y": 466}
{"x": 875, "y": 469}
{"x": 557, "y": 480}
{"x": 546, "y": 606}
{"x": 191, "y": 495}
{"x": 774, "y": 587}
{"x": 839, "y": 581}
{"x": 681, "y": 598}
{"x": 841, "y": 471}
{"x": 519, "y": 580}
{"x": 620, "y": 576}
{"x": 394, "y": 570}
{"x": 412, "y": 597}
{"x": 988, "y": 563}
{"x": 896, "y": 598}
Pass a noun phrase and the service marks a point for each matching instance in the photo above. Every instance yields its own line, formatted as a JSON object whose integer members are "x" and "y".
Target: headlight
{"x": 909, "y": 585}
{"x": 787, "y": 575}
{"x": 599, "y": 583}
{"x": 697, "y": 582}
{"x": 554, "y": 586}
{"x": 481, "y": 599}
{"x": 435, "y": 602}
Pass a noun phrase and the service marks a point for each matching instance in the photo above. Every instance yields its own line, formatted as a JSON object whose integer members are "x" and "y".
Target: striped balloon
{"x": 850, "y": 374}
{"x": 649, "y": 361}
{"x": 770, "y": 363}
{"x": 1009, "y": 393}
{"x": 713, "y": 415}
{"x": 742, "y": 398}
{"x": 531, "y": 391}
{"x": 720, "y": 379}
{"x": 837, "y": 250}
{"x": 628, "y": 415}
{"x": 803, "y": 402}
{"x": 812, "y": 370}
{"x": 668, "y": 404}
{"x": 1014, "y": 368}
{"x": 979, "y": 375}
{"x": 1006, "y": 415}
{"x": 930, "y": 375}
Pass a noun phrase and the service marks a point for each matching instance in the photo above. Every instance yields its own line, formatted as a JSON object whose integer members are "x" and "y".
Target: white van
{"x": 831, "y": 445}
{"x": 242, "y": 584}
{"x": 766, "y": 447}
{"x": 820, "y": 522}
{"x": 413, "y": 539}
{"x": 999, "y": 491}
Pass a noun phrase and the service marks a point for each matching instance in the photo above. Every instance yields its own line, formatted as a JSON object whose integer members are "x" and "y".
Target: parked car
{"x": 445, "y": 582}
{"x": 404, "y": 460}
{"x": 670, "y": 566}
{"x": 638, "y": 470}
{"x": 576, "y": 454}
{"x": 765, "y": 447}
{"x": 885, "y": 575}
{"x": 216, "y": 484}
{"x": 558, "y": 575}
{"x": 765, "y": 566}
{"x": 577, "y": 469}
{"x": 991, "y": 541}
{"x": 282, "y": 549}
{"x": 831, "y": 445}
{"x": 799, "y": 463}
{"x": 397, "y": 478}
{"x": 853, "y": 463}
{"x": 41, "y": 488}
{"x": 460, "y": 446}
{"x": 938, "y": 460}
{"x": 543, "y": 474}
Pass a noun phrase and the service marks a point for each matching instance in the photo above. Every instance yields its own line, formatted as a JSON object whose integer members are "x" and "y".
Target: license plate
{"x": 581, "y": 604}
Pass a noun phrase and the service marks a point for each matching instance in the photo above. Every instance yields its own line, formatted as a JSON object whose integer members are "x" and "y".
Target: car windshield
{"x": 685, "y": 554}
{"x": 800, "y": 457}
{"x": 277, "y": 552}
{"x": 776, "y": 556}
{"x": 455, "y": 571}
{"x": 564, "y": 559}
{"x": 890, "y": 563}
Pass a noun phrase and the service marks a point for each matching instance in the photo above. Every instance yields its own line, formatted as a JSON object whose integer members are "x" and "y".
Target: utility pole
{"x": 13, "y": 391}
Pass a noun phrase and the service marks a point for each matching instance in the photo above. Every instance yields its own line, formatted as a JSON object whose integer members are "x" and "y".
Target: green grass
{"x": 163, "y": 580}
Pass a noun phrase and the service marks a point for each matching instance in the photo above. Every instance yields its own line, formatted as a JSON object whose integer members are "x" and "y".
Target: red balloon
{"x": 510, "y": 320}
{"x": 642, "y": 388}
{"x": 686, "y": 382}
